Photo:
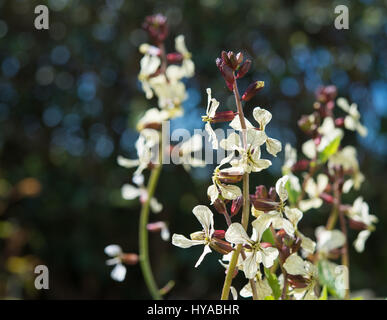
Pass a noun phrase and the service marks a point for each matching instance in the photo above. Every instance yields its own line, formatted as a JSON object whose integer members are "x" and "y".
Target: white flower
{"x": 119, "y": 271}
{"x": 146, "y": 145}
{"x": 328, "y": 240}
{"x": 352, "y": 120}
{"x": 206, "y": 219}
{"x": 314, "y": 190}
{"x": 130, "y": 192}
{"x": 212, "y": 106}
{"x": 152, "y": 117}
{"x": 296, "y": 266}
{"x": 262, "y": 285}
{"x": 187, "y": 64}
{"x": 274, "y": 217}
{"x": 250, "y": 157}
{"x": 188, "y": 147}
{"x": 309, "y": 149}
{"x": 263, "y": 117}
{"x": 290, "y": 158}
{"x": 359, "y": 212}
{"x": 236, "y": 234}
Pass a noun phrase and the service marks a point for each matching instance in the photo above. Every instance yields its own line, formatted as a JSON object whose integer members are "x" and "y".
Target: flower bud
{"x": 236, "y": 205}
{"x": 326, "y": 197}
{"x": 357, "y": 225}
{"x": 261, "y": 192}
{"x": 220, "y": 206}
{"x": 219, "y": 234}
{"x": 307, "y": 123}
{"x": 230, "y": 175}
{"x": 157, "y": 27}
{"x": 199, "y": 235}
{"x": 297, "y": 281}
{"x": 223, "y": 116}
{"x": 227, "y": 72}
{"x": 325, "y": 94}
{"x": 243, "y": 69}
{"x": 252, "y": 90}
{"x": 221, "y": 246}
{"x": 263, "y": 204}
{"x": 239, "y": 58}
{"x": 273, "y": 194}
{"x": 339, "y": 122}
{"x": 129, "y": 258}
{"x": 301, "y": 165}
{"x": 174, "y": 57}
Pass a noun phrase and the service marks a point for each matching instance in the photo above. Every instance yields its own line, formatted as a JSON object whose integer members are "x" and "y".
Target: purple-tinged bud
{"x": 233, "y": 63}
{"x": 301, "y": 165}
{"x": 223, "y": 116}
{"x": 339, "y": 122}
{"x": 220, "y": 206}
{"x": 129, "y": 258}
{"x": 236, "y": 205}
{"x": 325, "y": 94}
{"x": 230, "y": 175}
{"x": 297, "y": 281}
{"x": 261, "y": 192}
{"x": 263, "y": 204}
{"x": 227, "y": 73}
{"x": 273, "y": 194}
{"x": 357, "y": 225}
{"x": 239, "y": 58}
{"x": 252, "y": 90}
{"x": 296, "y": 245}
{"x": 221, "y": 246}
{"x": 266, "y": 245}
{"x": 326, "y": 197}
{"x": 174, "y": 57}
{"x": 157, "y": 27}
{"x": 243, "y": 69}
{"x": 219, "y": 234}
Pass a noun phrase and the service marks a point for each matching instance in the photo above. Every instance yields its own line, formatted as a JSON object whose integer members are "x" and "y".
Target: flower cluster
{"x": 276, "y": 243}
{"x": 161, "y": 76}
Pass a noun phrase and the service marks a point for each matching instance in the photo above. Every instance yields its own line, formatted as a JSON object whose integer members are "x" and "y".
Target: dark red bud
{"x": 325, "y": 94}
{"x": 339, "y": 122}
{"x": 220, "y": 206}
{"x": 236, "y": 205}
{"x": 261, "y": 192}
{"x": 174, "y": 57}
{"x": 221, "y": 246}
{"x": 219, "y": 234}
{"x": 357, "y": 225}
{"x": 266, "y": 244}
{"x": 243, "y": 69}
{"x": 239, "y": 58}
{"x": 252, "y": 90}
{"x": 129, "y": 258}
{"x": 157, "y": 27}
{"x": 327, "y": 197}
{"x": 301, "y": 165}
{"x": 273, "y": 194}
{"x": 223, "y": 116}
{"x": 297, "y": 281}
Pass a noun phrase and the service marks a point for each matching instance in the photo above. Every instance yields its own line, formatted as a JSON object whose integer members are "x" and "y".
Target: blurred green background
{"x": 69, "y": 102}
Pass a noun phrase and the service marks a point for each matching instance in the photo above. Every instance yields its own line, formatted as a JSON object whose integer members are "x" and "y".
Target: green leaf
{"x": 268, "y": 236}
{"x": 328, "y": 275}
{"x": 329, "y": 150}
{"x": 269, "y": 298}
{"x": 292, "y": 192}
{"x": 273, "y": 283}
{"x": 324, "y": 294}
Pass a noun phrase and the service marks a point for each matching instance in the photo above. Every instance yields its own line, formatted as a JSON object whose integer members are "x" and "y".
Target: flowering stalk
{"x": 246, "y": 202}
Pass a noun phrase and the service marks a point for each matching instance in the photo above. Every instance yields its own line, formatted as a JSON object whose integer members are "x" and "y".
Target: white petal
{"x": 294, "y": 265}
{"x": 155, "y": 206}
{"x": 211, "y": 136}
{"x": 127, "y": 163}
{"x": 309, "y": 149}
{"x": 261, "y": 224}
{"x": 236, "y": 234}
{"x": 118, "y": 273}
{"x": 281, "y": 189}
{"x": 362, "y": 237}
{"x": 230, "y": 192}
{"x": 179, "y": 240}
{"x": 268, "y": 256}
{"x": 165, "y": 235}
{"x": 205, "y": 217}
{"x": 213, "y": 193}
{"x": 262, "y": 116}
{"x": 294, "y": 215}
{"x": 322, "y": 182}
{"x": 250, "y": 265}
{"x": 113, "y": 250}
{"x": 130, "y": 192}
{"x": 273, "y": 146}
{"x": 255, "y": 137}
{"x": 234, "y": 293}
{"x": 236, "y": 124}
{"x": 206, "y": 250}
{"x": 231, "y": 142}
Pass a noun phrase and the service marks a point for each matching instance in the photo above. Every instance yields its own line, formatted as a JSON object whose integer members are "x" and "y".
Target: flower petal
{"x": 206, "y": 250}
{"x": 118, "y": 273}
{"x": 113, "y": 250}
{"x": 281, "y": 189}
{"x": 180, "y": 241}
{"x": 205, "y": 217}
{"x": 237, "y": 234}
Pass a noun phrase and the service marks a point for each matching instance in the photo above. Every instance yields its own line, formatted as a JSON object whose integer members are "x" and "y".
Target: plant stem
{"x": 246, "y": 199}
{"x": 143, "y": 231}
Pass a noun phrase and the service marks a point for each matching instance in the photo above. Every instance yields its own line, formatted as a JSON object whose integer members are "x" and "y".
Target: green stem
{"x": 143, "y": 233}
